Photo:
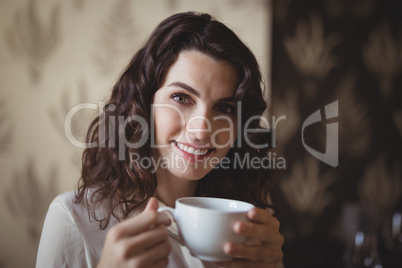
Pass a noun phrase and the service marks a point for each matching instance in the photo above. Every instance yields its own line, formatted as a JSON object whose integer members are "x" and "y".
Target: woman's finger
{"x": 138, "y": 224}
{"x": 146, "y": 240}
{"x": 152, "y": 204}
{"x": 262, "y": 232}
{"x": 154, "y": 255}
{"x": 259, "y": 215}
{"x": 162, "y": 263}
{"x": 263, "y": 227}
{"x": 268, "y": 254}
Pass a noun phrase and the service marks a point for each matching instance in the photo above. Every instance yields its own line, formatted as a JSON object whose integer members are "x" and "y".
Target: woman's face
{"x": 194, "y": 115}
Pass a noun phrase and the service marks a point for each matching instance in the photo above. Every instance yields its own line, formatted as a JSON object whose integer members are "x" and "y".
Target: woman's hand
{"x": 141, "y": 241}
{"x": 266, "y": 242}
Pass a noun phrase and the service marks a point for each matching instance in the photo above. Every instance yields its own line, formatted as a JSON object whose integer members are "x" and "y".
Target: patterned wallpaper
{"x": 57, "y": 54}
{"x": 347, "y": 52}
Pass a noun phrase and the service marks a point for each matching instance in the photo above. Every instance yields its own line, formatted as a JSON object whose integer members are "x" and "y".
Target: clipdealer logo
{"x": 330, "y": 156}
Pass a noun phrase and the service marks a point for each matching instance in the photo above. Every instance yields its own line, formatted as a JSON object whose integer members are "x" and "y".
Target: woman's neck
{"x": 171, "y": 189}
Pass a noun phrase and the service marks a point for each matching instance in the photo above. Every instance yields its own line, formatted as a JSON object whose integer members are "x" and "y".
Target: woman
{"x": 205, "y": 89}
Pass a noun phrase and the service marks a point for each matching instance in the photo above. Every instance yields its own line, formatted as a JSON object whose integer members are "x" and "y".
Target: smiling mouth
{"x": 192, "y": 150}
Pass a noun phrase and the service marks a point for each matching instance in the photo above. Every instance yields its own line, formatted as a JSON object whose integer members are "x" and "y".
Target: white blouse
{"x": 71, "y": 239}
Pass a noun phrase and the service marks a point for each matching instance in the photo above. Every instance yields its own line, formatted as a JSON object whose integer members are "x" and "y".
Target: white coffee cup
{"x": 206, "y": 224}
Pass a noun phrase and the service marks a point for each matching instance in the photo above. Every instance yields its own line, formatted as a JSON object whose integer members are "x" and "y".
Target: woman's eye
{"x": 182, "y": 99}
{"x": 226, "y": 109}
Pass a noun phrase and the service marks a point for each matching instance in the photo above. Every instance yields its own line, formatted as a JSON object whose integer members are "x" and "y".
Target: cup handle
{"x": 172, "y": 212}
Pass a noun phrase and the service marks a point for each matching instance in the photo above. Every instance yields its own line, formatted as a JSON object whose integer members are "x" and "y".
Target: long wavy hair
{"x": 108, "y": 183}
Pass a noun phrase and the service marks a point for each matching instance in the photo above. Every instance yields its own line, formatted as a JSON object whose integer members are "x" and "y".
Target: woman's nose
{"x": 200, "y": 128}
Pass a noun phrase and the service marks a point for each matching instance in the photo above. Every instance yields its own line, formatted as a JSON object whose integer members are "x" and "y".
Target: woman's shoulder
{"x": 66, "y": 197}
{"x": 65, "y": 200}
{"x": 69, "y": 199}
{"x": 65, "y": 207}
{"x": 66, "y": 224}
{"x": 79, "y": 211}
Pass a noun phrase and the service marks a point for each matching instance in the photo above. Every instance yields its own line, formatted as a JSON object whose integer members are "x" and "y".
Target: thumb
{"x": 153, "y": 204}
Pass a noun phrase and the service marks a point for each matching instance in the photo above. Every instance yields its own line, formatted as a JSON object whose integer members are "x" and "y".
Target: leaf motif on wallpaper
{"x": 383, "y": 57}
{"x": 306, "y": 189}
{"x": 32, "y": 39}
{"x": 310, "y": 51}
{"x": 381, "y": 185}
{"x": 29, "y": 197}
{"x": 286, "y": 128}
{"x": 355, "y": 127}
{"x": 6, "y": 131}
{"x": 117, "y": 41}
{"x": 80, "y": 121}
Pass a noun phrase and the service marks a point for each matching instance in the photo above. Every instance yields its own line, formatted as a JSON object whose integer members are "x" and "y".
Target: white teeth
{"x": 192, "y": 150}
{"x": 200, "y": 152}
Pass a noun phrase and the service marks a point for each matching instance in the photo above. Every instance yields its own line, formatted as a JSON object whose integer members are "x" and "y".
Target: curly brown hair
{"x": 109, "y": 185}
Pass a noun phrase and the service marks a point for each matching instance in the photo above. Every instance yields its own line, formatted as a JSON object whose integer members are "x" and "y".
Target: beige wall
{"x": 57, "y": 54}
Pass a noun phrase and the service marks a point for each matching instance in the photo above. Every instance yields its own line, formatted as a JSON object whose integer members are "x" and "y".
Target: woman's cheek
{"x": 225, "y": 134}
{"x": 167, "y": 122}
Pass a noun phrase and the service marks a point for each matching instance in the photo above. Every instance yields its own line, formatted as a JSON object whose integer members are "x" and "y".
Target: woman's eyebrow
{"x": 195, "y": 92}
{"x": 227, "y": 99}
{"x": 186, "y": 87}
